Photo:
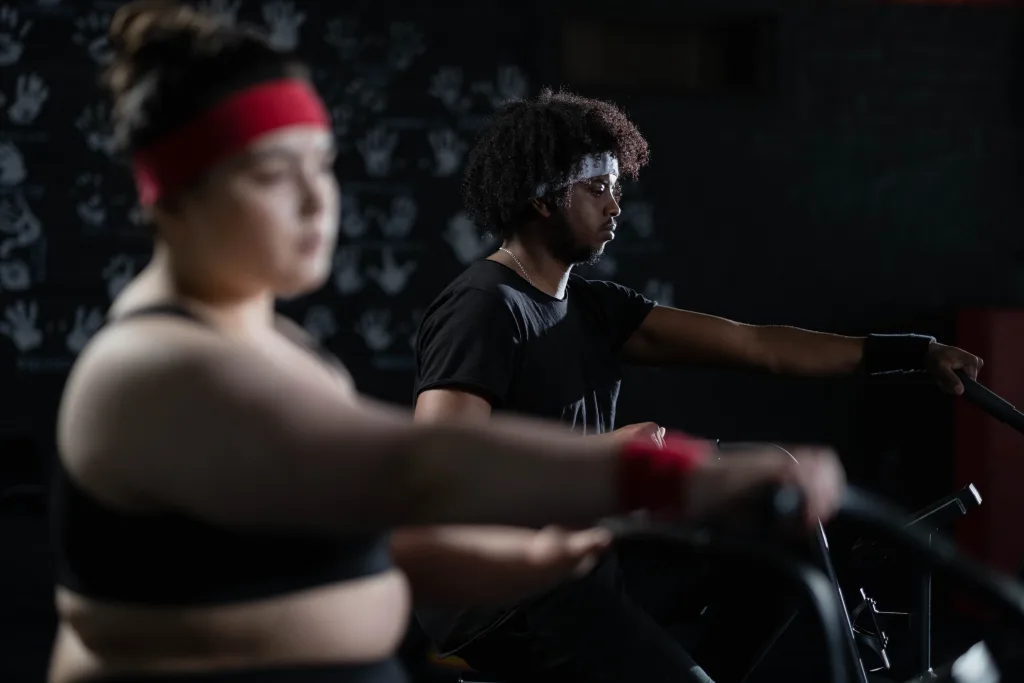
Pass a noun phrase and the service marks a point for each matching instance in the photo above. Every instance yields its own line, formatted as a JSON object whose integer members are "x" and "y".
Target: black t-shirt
{"x": 492, "y": 334}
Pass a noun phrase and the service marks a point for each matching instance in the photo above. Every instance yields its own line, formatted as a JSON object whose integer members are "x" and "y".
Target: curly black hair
{"x": 539, "y": 141}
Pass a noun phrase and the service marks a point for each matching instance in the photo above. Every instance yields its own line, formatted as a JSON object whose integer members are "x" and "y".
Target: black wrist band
{"x": 885, "y": 353}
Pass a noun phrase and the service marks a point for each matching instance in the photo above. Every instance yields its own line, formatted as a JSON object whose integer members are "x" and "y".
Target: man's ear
{"x": 541, "y": 207}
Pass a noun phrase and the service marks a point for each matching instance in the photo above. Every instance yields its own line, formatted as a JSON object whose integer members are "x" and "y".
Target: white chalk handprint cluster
{"x": 21, "y": 233}
{"x": 21, "y": 324}
{"x": 448, "y": 86}
{"x": 377, "y": 148}
{"x": 380, "y": 331}
{"x": 350, "y": 275}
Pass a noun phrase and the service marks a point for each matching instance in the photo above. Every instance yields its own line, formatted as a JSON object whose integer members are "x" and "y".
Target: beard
{"x": 564, "y": 245}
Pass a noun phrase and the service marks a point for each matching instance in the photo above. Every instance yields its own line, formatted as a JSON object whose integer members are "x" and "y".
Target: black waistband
{"x": 387, "y": 671}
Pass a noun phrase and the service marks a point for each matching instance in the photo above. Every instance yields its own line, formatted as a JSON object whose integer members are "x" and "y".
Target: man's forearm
{"x": 793, "y": 351}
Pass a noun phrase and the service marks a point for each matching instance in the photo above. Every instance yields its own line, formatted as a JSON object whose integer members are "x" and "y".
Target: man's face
{"x": 577, "y": 235}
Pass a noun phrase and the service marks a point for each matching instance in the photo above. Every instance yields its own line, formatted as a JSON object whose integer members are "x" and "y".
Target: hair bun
{"x": 148, "y": 33}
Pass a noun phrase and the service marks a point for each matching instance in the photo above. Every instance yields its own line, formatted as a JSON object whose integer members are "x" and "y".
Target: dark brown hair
{"x": 171, "y": 62}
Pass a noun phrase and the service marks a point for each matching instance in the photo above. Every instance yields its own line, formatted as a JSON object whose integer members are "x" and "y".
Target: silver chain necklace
{"x": 518, "y": 263}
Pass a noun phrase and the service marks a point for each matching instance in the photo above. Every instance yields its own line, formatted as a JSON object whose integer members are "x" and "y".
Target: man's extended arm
{"x": 669, "y": 336}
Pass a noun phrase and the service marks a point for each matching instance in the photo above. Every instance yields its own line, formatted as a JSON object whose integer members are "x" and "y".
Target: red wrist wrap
{"x": 651, "y": 477}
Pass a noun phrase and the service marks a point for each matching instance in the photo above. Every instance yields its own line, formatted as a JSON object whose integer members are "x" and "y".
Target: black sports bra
{"x": 173, "y": 559}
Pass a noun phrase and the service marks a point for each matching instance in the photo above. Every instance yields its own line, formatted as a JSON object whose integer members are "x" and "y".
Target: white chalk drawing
{"x": 391, "y": 277}
{"x": 225, "y": 11}
{"x": 374, "y": 326}
{"x": 91, "y": 209}
{"x": 414, "y": 326}
{"x": 12, "y": 165}
{"x": 398, "y": 223}
{"x": 137, "y": 215}
{"x": 30, "y": 93}
{"x": 347, "y": 278}
{"x": 12, "y": 35}
{"x": 343, "y": 34}
{"x": 95, "y": 125}
{"x": 91, "y": 32}
{"x": 341, "y": 118}
{"x": 118, "y": 272}
{"x": 465, "y": 239}
{"x": 15, "y": 275}
{"x": 19, "y": 226}
{"x": 283, "y": 22}
{"x": 87, "y": 321}
{"x": 640, "y": 217}
{"x": 449, "y": 149}
{"x": 320, "y": 323}
{"x": 661, "y": 291}
{"x": 369, "y": 92}
{"x": 510, "y": 84}
{"x": 446, "y": 86}
{"x": 377, "y": 149}
{"x": 406, "y": 44}
{"x": 353, "y": 221}
{"x": 20, "y": 324}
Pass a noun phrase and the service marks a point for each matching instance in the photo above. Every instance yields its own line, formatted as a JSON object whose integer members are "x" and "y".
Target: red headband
{"x": 176, "y": 159}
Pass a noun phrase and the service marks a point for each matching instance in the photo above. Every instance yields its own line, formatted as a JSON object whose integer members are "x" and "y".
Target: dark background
{"x": 846, "y": 167}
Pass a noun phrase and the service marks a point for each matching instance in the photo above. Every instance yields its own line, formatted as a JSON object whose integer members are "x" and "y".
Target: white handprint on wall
{"x": 347, "y": 278}
{"x": 374, "y": 327}
{"x": 12, "y": 35}
{"x": 343, "y": 35}
{"x": 15, "y": 276}
{"x": 377, "y": 148}
{"x": 283, "y": 22}
{"x": 320, "y": 323}
{"x": 20, "y": 325}
{"x": 91, "y": 209}
{"x": 446, "y": 86}
{"x": 368, "y": 93}
{"x": 341, "y": 118}
{"x": 465, "y": 240}
{"x": 95, "y": 124}
{"x": 137, "y": 215}
{"x": 87, "y": 322}
{"x": 19, "y": 226}
{"x": 29, "y": 95}
{"x": 91, "y": 32}
{"x": 661, "y": 291}
{"x": 391, "y": 277}
{"x": 12, "y": 165}
{"x": 353, "y": 222}
{"x": 225, "y": 11}
{"x": 510, "y": 84}
{"x": 119, "y": 271}
{"x": 398, "y": 224}
{"x": 448, "y": 151}
{"x": 406, "y": 44}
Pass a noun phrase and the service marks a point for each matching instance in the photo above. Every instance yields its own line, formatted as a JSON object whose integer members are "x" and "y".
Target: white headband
{"x": 593, "y": 165}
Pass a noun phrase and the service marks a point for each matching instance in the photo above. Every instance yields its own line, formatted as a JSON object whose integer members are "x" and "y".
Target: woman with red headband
{"x": 223, "y": 495}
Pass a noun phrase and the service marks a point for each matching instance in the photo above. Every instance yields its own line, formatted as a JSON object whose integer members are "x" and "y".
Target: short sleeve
{"x": 623, "y": 310}
{"x": 468, "y": 340}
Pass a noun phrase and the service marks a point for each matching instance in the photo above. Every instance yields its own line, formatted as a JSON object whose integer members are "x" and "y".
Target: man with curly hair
{"x": 518, "y": 332}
